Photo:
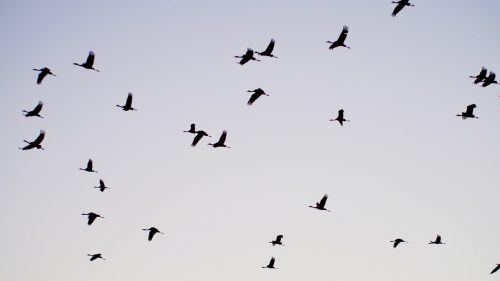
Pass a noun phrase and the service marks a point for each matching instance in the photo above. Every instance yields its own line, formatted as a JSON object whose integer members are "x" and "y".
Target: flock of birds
{"x": 249, "y": 55}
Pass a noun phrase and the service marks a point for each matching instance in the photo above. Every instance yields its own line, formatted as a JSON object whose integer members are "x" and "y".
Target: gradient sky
{"x": 405, "y": 166}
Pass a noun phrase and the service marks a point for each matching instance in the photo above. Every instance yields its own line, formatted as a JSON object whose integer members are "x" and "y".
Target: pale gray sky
{"x": 405, "y": 166}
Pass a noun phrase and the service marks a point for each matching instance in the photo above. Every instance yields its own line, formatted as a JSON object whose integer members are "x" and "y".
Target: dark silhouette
{"x": 221, "y": 141}
{"x": 481, "y": 76}
{"x": 128, "y": 103}
{"x": 341, "y": 41}
{"x": 197, "y": 138}
{"x": 340, "y": 118}
{"x": 152, "y": 232}
{"x": 400, "y": 5}
{"x": 247, "y": 57}
{"x": 35, "y": 111}
{"x": 89, "y": 64}
{"x": 37, "y": 143}
{"x": 490, "y": 80}
{"x": 277, "y": 241}
{"x": 101, "y": 186}
{"x": 397, "y": 241}
{"x": 268, "y": 51}
{"x": 469, "y": 112}
{"x": 321, "y": 205}
{"x": 191, "y": 130}
{"x": 89, "y": 167}
{"x": 43, "y": 72}
{"x": 495, "y": 269}
{"x": 91, "y": 217}
{"x": 256, "y": 94}
{"x": 95, "y": 256}
{"x": 271, "y": 264}
{"x": 437, "y": 241}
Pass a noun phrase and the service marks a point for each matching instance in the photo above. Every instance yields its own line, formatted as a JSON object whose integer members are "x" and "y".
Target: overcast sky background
{"x": 404, "y": 167}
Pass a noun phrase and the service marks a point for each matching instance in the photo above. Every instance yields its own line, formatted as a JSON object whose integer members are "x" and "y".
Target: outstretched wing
{"x": 196, "y": 139}
{"x": 253, "y": 98}
{"x": 270, "y": 47}
{"x": 438, "y": 239}
{"x": 222, "y": 138}
{"x": 398, "y": 8}
{"x": 39, "y": 139}
{"x": 38, "y": 108}
{"x": 343, "y": 35}
{"x": 101, "y": 183}
{"x": 90, "y": 59}
{"x": 92, "y": 218}
{"x": 496, "y": 269}
{"x": 470, "y": 109}
{"x": 41, "y": 75}
{"x": 129, "y": 100}
{"x": 483, "y": 72}
{"x": 322, "y": 203}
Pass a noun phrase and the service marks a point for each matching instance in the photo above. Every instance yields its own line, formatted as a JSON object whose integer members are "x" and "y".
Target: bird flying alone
{"x": 321, "y": 204}
{"x": 43, "y": 72}
{"x": 340, "y": 118}
{"x": 93, "y": 257}
{"x": 89, "y": 167}
{"x": 480, "y": 77}
{"x": 469, "y": 112}
{"x": 397, "y": 242}
{"x": 221, "y": 141}
{"x": 341, "y": 40}
{"x": 437, "y": 241}
{"x": 277, "y": 241}
{"x": 37, "y": 143}
{"x": 400, "y": 5}
{"x": 128, "y": 103}
{"x": 101, "y": 186}
{"x": 495, "y": 269}
{"x": 268, "y": 52}
{"x": 91, "y": 217}
{"x": 256, "y": 94}
{"x": 270, "y": 264}
{"x": 152, "y": 232}
{"x": 248, "y": 56}
{"x": 89, "y": 63}
{"x": 35, "y": 111}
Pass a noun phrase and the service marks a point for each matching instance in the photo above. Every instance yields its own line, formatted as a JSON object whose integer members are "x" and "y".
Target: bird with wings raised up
{"x": 37, "y": 143}
{"x": 341, "y": 40}
{"x": 437, "y": 241}
{"x": 340, "y": 118}
{"x": 321, "y": 204}
{"x": 221, "y": 141}
{"x": 89, "y": 63}
{"x": 480, "y": 77}
{"x": 271, "y": 264}
{"x": 469, "y": 112}
{"x": 268, "y": 52}
{"x": 36, "y": 111}
{"x": 277, "y": 241}
{"x": 128, "y": 103}
{"x": 248, "y": 56}
{"x": 101, "y": 186}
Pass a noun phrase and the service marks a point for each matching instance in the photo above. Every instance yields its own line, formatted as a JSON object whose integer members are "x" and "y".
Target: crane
{"x": 437, "y": 241}
{"x": 89, "y": 63}
{"x": 35, "y": 111}
{"x": 93, "y": 257}
{"x": 37, "y": 143}
{"x": 400, "y": 5}
{"x": 43, "y": 72}
{"x": 268, "y": 51}
{"x": 469, "y": 112}
{"x": 490, "y": 80}
{"x": 321, "y": 204}
{"x": 340, "y": 118}
{"x": 197, "y": 138}
{"x": 221, "y": 141}
{"x": 89, "y": 167}
{"x": 398, "y": 241}
{"x": 271, "y": 264}
{"x": 152, "y": 232}
{"x": 192, "y": 129}
{"x": 101, "y": 186}
{"x": 91, "y": 217}
{"x": 247, "y": 57}
{"x": 481, "y": 76}
{"x": 495, "y": 269}
{"x": 277, "y": 241}
{"x": 128, "y": 104}
{"x": 341, "y": 40}
{"x": 256, "y": 94}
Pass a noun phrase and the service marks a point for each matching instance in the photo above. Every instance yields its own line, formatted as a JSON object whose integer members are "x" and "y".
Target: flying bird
{"x": 128, "y": 103}
{"x": 340, "y": 118}
{"x": 197, "y": 138}
{"x": 256, "y": 94}
{"x": 192, "y": 129}
{"x": 481, "y": 76}
{"x": 341, "y": 41}
{"x": 91, "y": 217}
{"x": 247, "y": 57}
{"x": 271, "y": 264}
{"x": 277, "y": 241}
{"x": 490, "y": 80}
{"x": 400, "y": 5}
{"x": 469, "y": 112}
{"x": 495, "y": 269}
{"x": 37, "y": 143}
{"x": 268, "y": 51}
{"x": 101, "y": 186}
{"x": 89, "y": 64}
{"x": 43, "y": 72}
{"x": 89, "y": 167}
{"x": 95, "y": 256}
{"x": 321, "y": 204}
{"x": 221, "y": 141}
{"x": 152, "y": 232}
{"x": 35, "y": 111}
{"x": 397, "y": 241}
{"x": 437, "y": 241}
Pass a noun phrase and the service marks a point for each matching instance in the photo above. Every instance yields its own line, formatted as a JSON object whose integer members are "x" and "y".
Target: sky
{"x": 404, "y": 167}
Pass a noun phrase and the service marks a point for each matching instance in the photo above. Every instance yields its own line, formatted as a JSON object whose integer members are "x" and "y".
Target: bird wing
{"x": 322, "y": 203}
{"x": 470, "y": 109}
{"x": 92, "y": 218}
{"x": 39, "y": 139}
{"x": 271, "y": 262}
{"x": 196, "y": 139}
{"x": 192, "y": 128}
{"x": 89, "y": 165}
{"x": 151, "y": 234}
{"x": 496, "y": 269}
{"x": 128, "y": 103}
{"x": 343, "y": 34}
{"x": 253, "y": 98}
{"x": 222, "y": 138}
{"x": 438, "y": 239}
{"x": 41, "y": 75}
{"x": 278, "y": 238}
{"x": 270, "y": 47}
{"x": 101, "y": 183}
{"x": 90, "y": 59}
{"x": 483, "y": 72}
{"x": 245, "y": 59}
{"x": 341, "y": 114}
{"x": 38, "y": 108}
{"x": 398, "y": 8}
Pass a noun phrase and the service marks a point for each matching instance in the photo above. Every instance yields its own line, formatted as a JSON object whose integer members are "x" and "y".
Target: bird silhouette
{"x": 95, "y": 256}
{"x": 35, "y": 111}
{"x": 152, "y": 232}
{"x": 340, "y": 118}
{"x": 91, "y": 217}
{"x": 37, "y": 143}
{"x": 469, "y": 112}
{"x": 268, "y": 51}
{"x": 437, "y": 241}
{"x": 89, "y": 167}
{"x": 89, "y": 64}
{"x": 197, "y": 138}
{"x": 247, "y": 57}
{"x": 495, "y": 269}
{"x": 256, "y": 94}
{"x": 400, "y": 5}
{"x": 397, "y": 241}
{"x": 277, "y": 241}
{"x": 490, "y": 80}
{"x": 101, "y": 186}
{"x": 341, "y": 40}
{"x": 271, "y": 264}
{"x": 221, "y": 141}
{"x": 321, "y": 204}
{"x": 481, "y": 76}
{"x": 192, "y": 129}
{"x": 43, "y": 72}
{"x": 128, "y": 103}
